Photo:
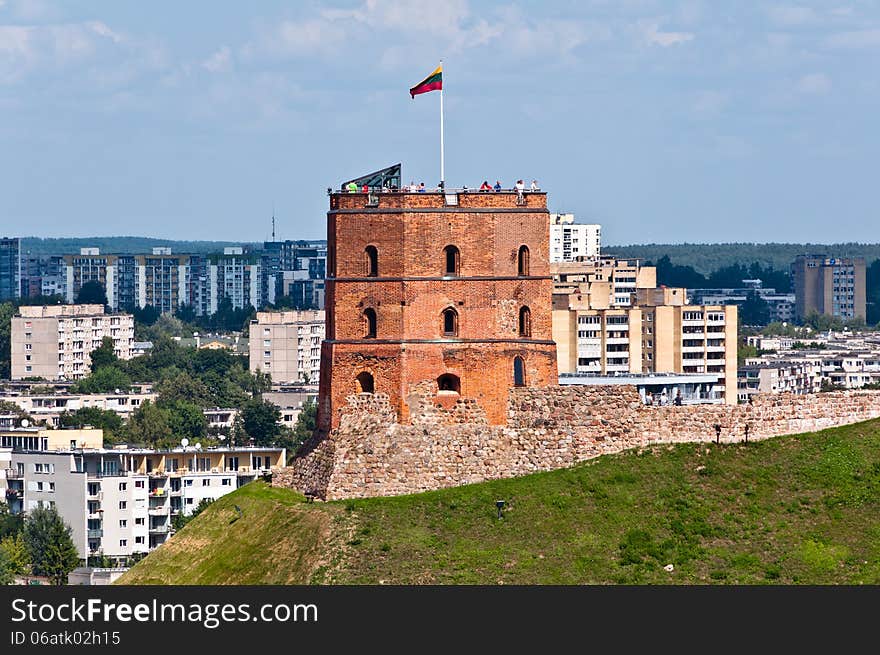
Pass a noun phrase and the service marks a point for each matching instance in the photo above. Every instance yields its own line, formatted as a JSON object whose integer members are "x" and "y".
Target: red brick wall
{"x": 409, "y": 297}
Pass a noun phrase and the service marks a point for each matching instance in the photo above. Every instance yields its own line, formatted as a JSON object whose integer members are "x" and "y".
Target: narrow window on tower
{"x": 525, "y": 322}
{"x": 519, "y": 372}
{"x": 451, "y": 259}
{"x": 364, "y": 382}
{"x": 523, "y": 261}
{"x": 371, "y": 261}
{"x": 450, "y": 322}
{"x": 369, "y": 323}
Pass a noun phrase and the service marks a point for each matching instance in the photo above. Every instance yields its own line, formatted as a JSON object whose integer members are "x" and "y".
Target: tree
{"x": 7, "y": 311}
{"x": 10, "y": 524}
{"x": 754, "y": 311}
{"x": 16, "y": 552}
{"x": 50, "y": 545}
{"x": 91, "y": 293}
{"x": 104, "y": 380}
{"x": 184, "y": 387}
{"x": 108, "y": 420}
{"x": 150, "y": 424}
{"x": 103, "y": 355}
{"x": 7, "y": 576}
{"x": 261, "y": 420}
{"x": 305, "y": 426}
{"x": 146, "y": 315}
{"x": 186, "y": 420}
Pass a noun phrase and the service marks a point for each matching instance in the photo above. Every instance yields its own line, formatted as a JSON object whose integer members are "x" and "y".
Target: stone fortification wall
{"x": 449, "y": 442}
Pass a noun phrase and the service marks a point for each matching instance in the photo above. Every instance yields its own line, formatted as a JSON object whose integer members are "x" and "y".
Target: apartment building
{"x": 845, "y": 359}
{"x": 781, "y": 305}
{"x": 829, "y": 285}
{"x": 10, "y": 268}
{"x": 54, "y": 342}
{"x": 660, "y": 334}
{"x": 287, "y": 345}
{"x": 112, "y": 272}
{"x": 604, "y": 282}
{"x": 49, "y": 407}
{"x": 296, "y": 269}
{"x": 234, "y": 275}
{"x": 570, "y": 241}
{"x": 798, "y": 377}
{"x": 161, "y": 280}
{"x": 121, "y": 501}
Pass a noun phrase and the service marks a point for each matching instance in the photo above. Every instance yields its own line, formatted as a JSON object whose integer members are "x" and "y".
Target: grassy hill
{"x": 801, "y": 509}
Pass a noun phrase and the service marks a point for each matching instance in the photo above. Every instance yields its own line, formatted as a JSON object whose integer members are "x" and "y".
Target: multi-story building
{"x": 54, "y": 342}
{"x": 570, "y": 241}
{"x": 121, "y": 501}
{"x": 660, "y": 333}
{"x": 287, "y": 345}
{"x": 829, "y": 285}
{"x": 162, "y": 280}
{"x": 10, "y": 268}
{"x": 781, "y": 305}
{"x": 603, "y": 282}
{"x": 797, "y": 377}
{"x": 43, "y": 275}
{"x": 115, "y": 273}
{"x": 296, "y": 269}
{"x": 48, "y": 407}
{"x": 234, "y": 275}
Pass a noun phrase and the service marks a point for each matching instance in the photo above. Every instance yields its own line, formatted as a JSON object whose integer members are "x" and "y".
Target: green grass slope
{"x": 802, "y": 509}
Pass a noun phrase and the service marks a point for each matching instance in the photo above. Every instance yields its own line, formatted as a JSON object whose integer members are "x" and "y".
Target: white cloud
{"x": 856, "y": 39}
{"x": 814, "y": 84}
{"x": 419, "y": 28}
{"x": 792, "y": 16}
{"x": 220, "y": 61}
{"x": 650, "y": 31}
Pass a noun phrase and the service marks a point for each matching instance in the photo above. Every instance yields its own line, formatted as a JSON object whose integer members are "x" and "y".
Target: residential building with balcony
{"x": 54, "y": 342}
{"x": 121, "y": 501}
{"x": 49, "y": 407}
{"x": 657, "y": 334}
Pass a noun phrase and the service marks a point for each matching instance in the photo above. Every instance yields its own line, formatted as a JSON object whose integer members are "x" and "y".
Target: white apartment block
{"x": 570, "y": 241}
{"x": 54, "y": 342}
{"x": 234, "y": 275}
{"x": 121, "y": 501}
{"x": 287, "y": 345}
{"x": 49, "y": 407}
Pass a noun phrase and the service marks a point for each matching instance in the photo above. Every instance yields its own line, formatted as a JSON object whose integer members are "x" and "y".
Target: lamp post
{"x": 500, "y": 505}
{"x": 717, "y": 433}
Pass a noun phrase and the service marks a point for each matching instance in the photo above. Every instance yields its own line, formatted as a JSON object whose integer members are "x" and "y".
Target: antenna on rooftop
{"x": 273, "y": 221}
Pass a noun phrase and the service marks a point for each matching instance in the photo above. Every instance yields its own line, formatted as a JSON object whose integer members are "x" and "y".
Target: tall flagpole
{"x": 442, "y": 163}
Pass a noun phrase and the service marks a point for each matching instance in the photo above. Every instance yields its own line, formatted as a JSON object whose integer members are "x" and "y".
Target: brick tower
{"x": 450, "y": 292}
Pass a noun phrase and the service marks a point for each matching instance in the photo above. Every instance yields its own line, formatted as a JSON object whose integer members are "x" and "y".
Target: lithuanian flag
{"x": 433, "y": 82}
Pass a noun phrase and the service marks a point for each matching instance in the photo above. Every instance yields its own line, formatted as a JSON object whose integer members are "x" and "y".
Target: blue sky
{"x": 665, "y": 121}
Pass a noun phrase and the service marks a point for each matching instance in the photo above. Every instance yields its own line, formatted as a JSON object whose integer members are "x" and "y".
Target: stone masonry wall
{"x": 449, "y": 444}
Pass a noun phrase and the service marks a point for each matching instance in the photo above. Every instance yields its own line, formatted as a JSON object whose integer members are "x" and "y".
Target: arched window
{"x": 364, "y": 382}
{"x": 451, "y": 261}
{"x": 369, "y": 323}
{"x": 371, "y": 261}
{"x": 525, "y": 322}
{"x": 522, "y": 261}
{"x": 519, "y": 372}
{"x": 448, "y": 383}
{"x": 450, "y": 322}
